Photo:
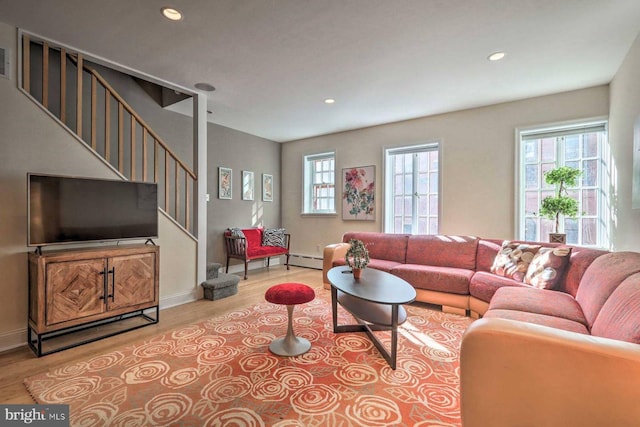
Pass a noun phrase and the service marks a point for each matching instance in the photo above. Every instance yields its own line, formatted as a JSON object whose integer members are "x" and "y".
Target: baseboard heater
{"x": 308, "y": 261}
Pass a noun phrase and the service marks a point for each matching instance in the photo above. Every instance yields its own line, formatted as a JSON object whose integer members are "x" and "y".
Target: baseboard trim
{"x": 13, "y": 339}
{"x": 307, "y": 261}
{"x": 179, "y": 299}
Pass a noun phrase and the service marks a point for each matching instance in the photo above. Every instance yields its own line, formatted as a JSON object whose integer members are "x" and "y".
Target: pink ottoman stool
{"x": 290, "y": 294}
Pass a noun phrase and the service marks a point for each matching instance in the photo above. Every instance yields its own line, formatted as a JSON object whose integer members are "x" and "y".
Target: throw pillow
{"x": 513, "y": 260}
{"x": 273, "y": 237}
{"x": 235, "y": 232}
{"x": 547, "y": 267}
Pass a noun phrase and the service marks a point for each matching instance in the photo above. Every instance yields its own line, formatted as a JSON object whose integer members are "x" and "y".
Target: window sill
{"x": 318, "y": 214}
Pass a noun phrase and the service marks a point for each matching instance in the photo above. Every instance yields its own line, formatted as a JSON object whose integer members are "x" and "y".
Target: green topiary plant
{"x": 560, "y": 204}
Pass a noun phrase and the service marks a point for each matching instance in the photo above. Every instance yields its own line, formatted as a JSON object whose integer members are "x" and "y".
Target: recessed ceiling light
{"x": 204, "y": 86}
{"x": 171, "y": 14}
{"x": 329, "y": 101}
{"x": 496, "y": 56}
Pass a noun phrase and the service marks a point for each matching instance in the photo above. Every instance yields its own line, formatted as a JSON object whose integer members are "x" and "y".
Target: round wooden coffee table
{"x": 375, "y": 301}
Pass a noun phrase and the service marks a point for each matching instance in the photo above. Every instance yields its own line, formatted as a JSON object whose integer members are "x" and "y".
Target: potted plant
{"x": 560, "y": 204}
{"x": 357, "y": 257}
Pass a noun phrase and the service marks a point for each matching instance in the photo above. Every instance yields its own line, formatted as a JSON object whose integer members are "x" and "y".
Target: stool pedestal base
{"x": 290, "y": 344}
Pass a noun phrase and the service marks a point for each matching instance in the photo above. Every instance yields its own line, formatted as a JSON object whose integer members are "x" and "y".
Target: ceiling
{"x": 273, "y": 62}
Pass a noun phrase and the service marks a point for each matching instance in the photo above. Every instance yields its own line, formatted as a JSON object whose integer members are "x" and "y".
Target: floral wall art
{"x": 224, "y": 183}
{"x": 358, "y": 198}
{"x": 247, "y": 185}
{"x": 267, "y": 187}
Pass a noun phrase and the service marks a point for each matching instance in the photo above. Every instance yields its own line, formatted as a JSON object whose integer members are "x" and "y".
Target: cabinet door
{"x": 133, "y": 280}
{"x": 74, "y": 289}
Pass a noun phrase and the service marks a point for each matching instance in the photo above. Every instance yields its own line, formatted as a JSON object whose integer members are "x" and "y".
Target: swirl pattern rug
{"x": 220, "y": 373}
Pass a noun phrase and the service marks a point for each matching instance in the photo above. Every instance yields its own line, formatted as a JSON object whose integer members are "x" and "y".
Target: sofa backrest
{"x": 443, "y": 251}
{"x": 391, "y": 247}
{"x": 601, "y": 280}
{"x": 580, "y": 260}
{"x": 619, "y": 317}
{"x": 253, "y": 236}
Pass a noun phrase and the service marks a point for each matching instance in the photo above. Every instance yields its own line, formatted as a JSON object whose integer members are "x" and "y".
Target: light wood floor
{"x": 21, "y": 362}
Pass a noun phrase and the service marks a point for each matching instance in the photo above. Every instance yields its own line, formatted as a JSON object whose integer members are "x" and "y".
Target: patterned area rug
{"x": 220, "y": 373}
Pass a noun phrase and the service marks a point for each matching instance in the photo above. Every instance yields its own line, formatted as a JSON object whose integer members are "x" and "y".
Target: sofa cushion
{"x": 538, "y": 301}
{"x": 620, "y": 315}
{"x": 513, "y": 260}
{"x": 442, "y": 279}
{"x": 253, "y": 236}
{"x": 273, "y": 237}
{"x": 484, "y": 285}
{"x": 391, "y": 247}
{"x": 264, "y": 251}
{"x": 548, "y": 267}
{"x": 602, "y": 277}
{"x": 538, "y": 319}
{"x": 442, "y": 251}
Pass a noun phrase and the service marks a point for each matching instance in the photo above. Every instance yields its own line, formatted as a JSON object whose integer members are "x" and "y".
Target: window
{"x": 319, "y": 183}
{"x": 583, "y": 147}
{"x": 412, "y": 187}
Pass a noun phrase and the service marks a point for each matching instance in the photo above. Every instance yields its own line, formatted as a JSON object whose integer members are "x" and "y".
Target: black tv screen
{"x": 69, "y": 210}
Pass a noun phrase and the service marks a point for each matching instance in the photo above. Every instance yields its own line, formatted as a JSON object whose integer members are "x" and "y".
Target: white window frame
{"x": 309, "y": 199}
{"x": 558, "y": 130}
{"x": 389, "y": 180}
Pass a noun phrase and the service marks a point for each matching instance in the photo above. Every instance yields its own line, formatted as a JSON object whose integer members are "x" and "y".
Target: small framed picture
{"x": 224, "y": 183}
{"x": 267, "y": 187}
{"x": 247, "y": 185}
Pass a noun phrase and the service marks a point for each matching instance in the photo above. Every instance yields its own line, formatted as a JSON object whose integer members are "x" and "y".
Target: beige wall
{"x": 477, "y": 152}
{"x": 624, "y": 116}
{"x": 31, "y": 141}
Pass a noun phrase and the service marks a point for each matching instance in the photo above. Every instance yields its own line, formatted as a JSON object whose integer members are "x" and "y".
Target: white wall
{"x": 31, "y": 141}
{"x": 478, "y": 152}
{"x": 624, "y": 117}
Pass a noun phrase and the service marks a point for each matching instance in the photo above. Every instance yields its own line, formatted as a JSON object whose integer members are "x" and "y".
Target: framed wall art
{"x": 224, "y": 183}
{"x": 267, "y": 187}
{"x": 359, "y": 193}
{"x": 247, "y": 185}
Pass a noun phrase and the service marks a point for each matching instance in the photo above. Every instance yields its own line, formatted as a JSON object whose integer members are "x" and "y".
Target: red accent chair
{"x": 249, "y": 248}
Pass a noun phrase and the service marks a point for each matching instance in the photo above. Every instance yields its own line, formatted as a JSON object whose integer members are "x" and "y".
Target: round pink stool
{"x": 290, "y": 294}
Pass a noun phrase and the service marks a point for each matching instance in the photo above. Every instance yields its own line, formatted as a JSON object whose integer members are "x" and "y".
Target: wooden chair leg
{"x": 268, "y": 260}
{"x": 227, "y": 270}
{"x": 287, "y": 261}
{"x": 246, "y": 268}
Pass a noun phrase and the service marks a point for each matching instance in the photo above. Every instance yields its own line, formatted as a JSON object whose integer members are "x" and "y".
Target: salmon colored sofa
{"x": 451, "y": 271}
{"x": 562, "y": 357}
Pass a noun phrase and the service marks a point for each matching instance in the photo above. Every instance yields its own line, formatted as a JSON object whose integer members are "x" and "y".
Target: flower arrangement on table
{"x": 357, "y": 257}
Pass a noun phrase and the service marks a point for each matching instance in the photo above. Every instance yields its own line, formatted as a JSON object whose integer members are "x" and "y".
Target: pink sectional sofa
{"x": 567, "y": 356}
{"x": 451, "y": 271}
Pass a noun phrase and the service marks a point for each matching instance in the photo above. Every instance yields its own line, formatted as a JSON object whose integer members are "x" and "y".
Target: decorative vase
{"x": 356, "y": 273}
{"x": 557, "y": 238}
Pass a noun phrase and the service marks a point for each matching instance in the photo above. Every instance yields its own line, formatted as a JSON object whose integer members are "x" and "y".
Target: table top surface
{"x": 373, "y": 285}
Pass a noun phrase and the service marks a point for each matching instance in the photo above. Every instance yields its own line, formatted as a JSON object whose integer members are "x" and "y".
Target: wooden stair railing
{"x": 174, "y": 178}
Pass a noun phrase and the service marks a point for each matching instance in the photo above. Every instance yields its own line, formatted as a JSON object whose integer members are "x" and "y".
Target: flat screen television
{"x": 64, "y": 209}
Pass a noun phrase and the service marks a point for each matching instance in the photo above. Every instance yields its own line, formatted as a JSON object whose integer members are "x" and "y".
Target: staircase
{"x": 82, "y": 101}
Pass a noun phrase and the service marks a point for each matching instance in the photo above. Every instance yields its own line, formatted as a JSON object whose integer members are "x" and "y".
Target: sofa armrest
{"x": 330, "y": 254}
{"x": 520, "y": 374}
{"x": 236, "y": 246}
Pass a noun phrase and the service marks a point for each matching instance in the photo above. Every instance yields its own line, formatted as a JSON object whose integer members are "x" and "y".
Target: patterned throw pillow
{"x": 273, "y": 237}
{"x": 235, "y": 232}
{"x": 547, "y": 267}
{"x": 513, "y": 260}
